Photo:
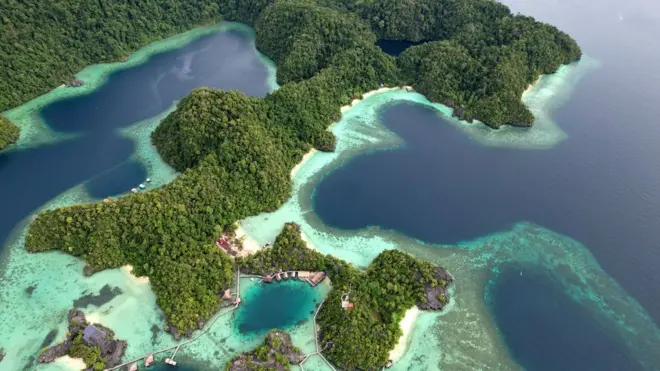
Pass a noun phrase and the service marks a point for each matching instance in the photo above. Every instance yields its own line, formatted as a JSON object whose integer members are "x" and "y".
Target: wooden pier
{"x": 176, "y": 347}
{"x": 316, "y": 341}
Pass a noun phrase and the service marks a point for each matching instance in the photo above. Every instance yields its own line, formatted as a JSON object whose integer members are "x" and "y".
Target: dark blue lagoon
{"x": 600, "y": 187}
{"x": 96, "y": 153}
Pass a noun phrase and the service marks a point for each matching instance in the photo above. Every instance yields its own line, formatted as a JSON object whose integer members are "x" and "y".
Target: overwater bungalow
{"x": 170, "y": 362}
{"x": 278, "y": 277}
{"x": 149, "y": 360}
{"x": 268, "y": 279}
{"x": 285, "y": 275}
{"x": 133, "y": 367}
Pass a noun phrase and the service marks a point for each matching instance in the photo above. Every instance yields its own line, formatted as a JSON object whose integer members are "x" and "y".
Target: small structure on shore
{"x": 170, "y": 361}
{"x": 285, "y": 275}
{"x": 133, "y": 367}
{"x": 278, "y": 277}
{"x": 236, "y": 301}
{"x": 268, "y": 279}
{"x": 345, "y": 303}
{"x": 149, "y": 360}
{"x": 224, "y": 243}
{"x": 227, "y": 294}
{"x": 389, "y": 363}
{"x": 76, "y": 83}
{"x": 134, "y": 190}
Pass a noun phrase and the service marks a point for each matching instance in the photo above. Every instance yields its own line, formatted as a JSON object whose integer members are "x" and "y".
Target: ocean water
{"x": 84, "y": 144}
{"x": 578, "y": 216}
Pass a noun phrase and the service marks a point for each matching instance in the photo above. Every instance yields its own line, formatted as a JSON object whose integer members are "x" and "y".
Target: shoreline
{"x": 372, "y": 93}
{"x": 128, "y": 270}
{"x": 407, "y": 324}
{"x": 250, "y": 245}
{"x": 71, "y": 363}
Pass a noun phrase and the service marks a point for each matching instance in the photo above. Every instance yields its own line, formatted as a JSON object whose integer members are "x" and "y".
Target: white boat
{"x": 142, "y": 186}
{"x": 134, "y": 190}
{"x": 148, "y": 180}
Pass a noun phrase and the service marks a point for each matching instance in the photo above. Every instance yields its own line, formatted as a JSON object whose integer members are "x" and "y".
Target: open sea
{"x": 600, "y": 187}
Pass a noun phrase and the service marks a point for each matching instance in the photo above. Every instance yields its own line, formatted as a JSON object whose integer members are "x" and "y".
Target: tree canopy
{"x": 235, "y": 153}
{"x": 8, "y": 133}
{"x": 393, "y": 283}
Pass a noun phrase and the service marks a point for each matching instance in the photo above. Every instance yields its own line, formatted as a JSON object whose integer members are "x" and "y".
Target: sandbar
{"x": 71, "y": 363}
{"x": 373, "y": 92}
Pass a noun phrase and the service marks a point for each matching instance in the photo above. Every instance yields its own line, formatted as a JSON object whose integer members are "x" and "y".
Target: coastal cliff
{"x": 93, "y": 343}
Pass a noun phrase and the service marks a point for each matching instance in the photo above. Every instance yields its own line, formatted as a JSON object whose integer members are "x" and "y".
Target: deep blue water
{"x": 558, "y": 332}
{"x": 278, "y": 305}
{"x": 601, "y": 186}
{"x": 31, "y": 177}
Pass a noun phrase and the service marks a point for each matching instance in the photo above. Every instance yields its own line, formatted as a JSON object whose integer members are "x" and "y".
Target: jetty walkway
{"x": 316, "y": 340}
{"x": 176, "y": 347}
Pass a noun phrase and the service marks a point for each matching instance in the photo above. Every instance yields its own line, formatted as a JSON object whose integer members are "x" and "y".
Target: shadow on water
{"x": 547, "y": 330}
{"x": 33, "y": 176}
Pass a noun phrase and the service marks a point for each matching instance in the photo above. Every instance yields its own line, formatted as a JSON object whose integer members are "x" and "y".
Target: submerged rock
{"x": 277, "y": 353}
{"x": 2, "y": 354}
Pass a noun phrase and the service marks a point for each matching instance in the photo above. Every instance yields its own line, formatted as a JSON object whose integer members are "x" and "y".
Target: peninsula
{"x": 8, "y": 133}
{"x": 236, "y": 153}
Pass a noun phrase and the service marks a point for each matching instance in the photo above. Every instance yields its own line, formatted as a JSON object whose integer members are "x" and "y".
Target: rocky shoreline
{"x": 437, "y": 296}
{"x": 92, "y": 342}
{"x": 277, "y": 353}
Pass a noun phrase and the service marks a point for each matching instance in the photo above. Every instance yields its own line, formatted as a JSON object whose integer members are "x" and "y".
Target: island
{"x": 363, "y": 304}
{"x": 235, "y": 153}
{"x": 93, "y": 343}
{"x": 8, "y": 133}
{"x": 277, "y": 353}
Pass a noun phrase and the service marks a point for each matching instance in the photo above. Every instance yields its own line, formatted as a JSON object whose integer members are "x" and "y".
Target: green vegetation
{"x": 45, "y": 42}
{"x": 277, "y": 353}
{"x": 91, "y": 355}
{"x": 393, "y": 283}
{"x": 8, "y": 133}
{"x": 235, "y": 153}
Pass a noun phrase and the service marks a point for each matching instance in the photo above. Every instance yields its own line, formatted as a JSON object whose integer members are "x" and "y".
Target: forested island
{"x": 8, "y": 133}
{"x": 359, "y": 321}
{"x": 235, "y": 153}
{"x": 93, "y": 343}
{"x": 276, "y": 353}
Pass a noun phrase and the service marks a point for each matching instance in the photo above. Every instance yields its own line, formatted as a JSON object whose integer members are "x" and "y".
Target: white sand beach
{"x": 373, "y": 92}
{"x": 69, "y": 363}
{"x": 128, "y": 270}
{"x": 305, "y": 158}
{"x": 407, "y": 325}
{"x": 250, "y": 246}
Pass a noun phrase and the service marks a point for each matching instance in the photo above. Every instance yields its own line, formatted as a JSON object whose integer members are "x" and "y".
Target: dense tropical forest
{"x": 393, "y": 283}
{"x": 235, "y": 152}
{"x": 8, "y": 133}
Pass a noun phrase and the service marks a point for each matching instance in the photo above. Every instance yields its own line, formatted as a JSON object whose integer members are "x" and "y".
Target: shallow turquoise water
{"x": 280, "y": 305}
